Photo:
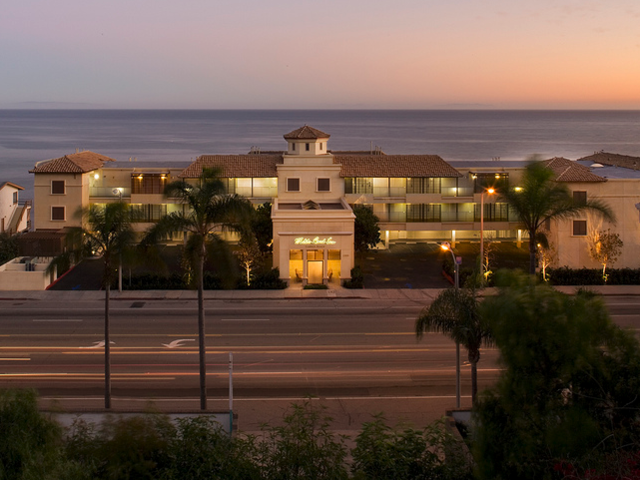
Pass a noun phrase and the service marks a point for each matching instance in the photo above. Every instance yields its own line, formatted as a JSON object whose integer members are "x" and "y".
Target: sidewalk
{"x": 292, "y": 293}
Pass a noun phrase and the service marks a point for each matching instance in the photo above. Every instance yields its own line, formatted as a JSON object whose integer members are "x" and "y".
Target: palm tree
{"x": 455, "y": 313}
{"x": 208, "y": 211}
{"x": 107, "y": 232}
{"x": 540, "y": 198}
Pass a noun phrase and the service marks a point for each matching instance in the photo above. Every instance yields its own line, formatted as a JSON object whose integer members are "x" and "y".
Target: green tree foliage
{"x": 386, "y": 453}
{"x": 31, "y": 444}
{"x": 569, "y": 387}
{"x": 33, "y": 447}
{"x": 540, "y": 198}
{"x": 208, "y": 211}
{"x": 303, "y": 448}
{"x": 8, "y": 247}
{"x": 455, "y": 312}
{"x": 203, "y": 450}
{"x": 366, "y": 230}
{"x": 107, "y": 232}
{"x": 605, "y": 248}
{"x": 262, "y": 227}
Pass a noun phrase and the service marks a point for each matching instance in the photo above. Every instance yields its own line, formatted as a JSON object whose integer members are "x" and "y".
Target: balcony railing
{"x": 115, "y": 192}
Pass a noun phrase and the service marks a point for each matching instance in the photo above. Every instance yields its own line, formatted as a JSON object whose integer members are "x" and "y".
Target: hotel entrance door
{"x": 315, "y": 271}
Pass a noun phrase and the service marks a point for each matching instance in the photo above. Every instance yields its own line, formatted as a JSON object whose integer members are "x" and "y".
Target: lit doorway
{"x": 315, "y": 271}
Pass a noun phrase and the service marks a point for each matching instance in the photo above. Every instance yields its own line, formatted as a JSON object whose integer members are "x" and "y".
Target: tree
{"x": 107, "y": 232}
{"x": 605, "y": 248}
{"x": 249, "y": 255}
{"x": 548, "y": 256}
{"x": 568, "y": 391}
{"x": 488, "y": 252}
{"x": 208, "y": 212}
{"x": 31, "y": 445}
{"x": 262, "y": 227}
{"x": 366, "y": 230}
{"x": 303, "y": 447}
{"x": 383, "y": 452}
{"x": 8, "y": 247}
{"x": 455, "y": 313}
{"x": 540, "y": 198}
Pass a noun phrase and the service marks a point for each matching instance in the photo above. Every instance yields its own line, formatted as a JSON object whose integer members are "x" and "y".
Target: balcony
{"x": 110, "y": 192}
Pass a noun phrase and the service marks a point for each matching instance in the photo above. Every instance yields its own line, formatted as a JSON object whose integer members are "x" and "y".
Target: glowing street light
{"x": 446, "y": 246}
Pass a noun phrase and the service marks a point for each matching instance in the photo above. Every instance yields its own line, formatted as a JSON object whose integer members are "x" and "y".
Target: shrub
{"x": 592, "y": 276}
{"x": 264, "y": 280}
{"x": 357, "y": 278}
{"x": 383, "y": 452}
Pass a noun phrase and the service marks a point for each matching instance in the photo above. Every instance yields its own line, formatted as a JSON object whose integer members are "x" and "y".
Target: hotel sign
{"x": 314, "y": 241}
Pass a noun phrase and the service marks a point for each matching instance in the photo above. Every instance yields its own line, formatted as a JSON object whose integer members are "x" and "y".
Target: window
{"x": 306, "y": 147}
{"x": 580, "y": 197}
{"x": 580, "y": 228}
{"x": 358, "y": 185}
{"x": 15, "y": 197}
{"x": 321, "y": 146}
{"x": 57, "y": 187}
{"x": 324, "y": 185}
{"x": 148, "y": 183}
{"x": 293, "y": 184}
{"x": 57, "y": 213}
{"x": 293, "y": 147}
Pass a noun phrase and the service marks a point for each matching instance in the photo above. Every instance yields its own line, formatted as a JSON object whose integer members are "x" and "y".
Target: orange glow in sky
{"x": 335, "y": 54}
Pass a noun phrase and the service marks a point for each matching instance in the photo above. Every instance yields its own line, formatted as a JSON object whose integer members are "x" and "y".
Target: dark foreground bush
{"x": 151, "y": 446}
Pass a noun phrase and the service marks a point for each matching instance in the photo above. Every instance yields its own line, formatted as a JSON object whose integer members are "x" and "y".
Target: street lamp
{"x": 446, "y": 246}
{"x": 490, "y": 191}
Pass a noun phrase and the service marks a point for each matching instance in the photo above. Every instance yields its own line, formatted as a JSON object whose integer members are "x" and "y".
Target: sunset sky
{"x": 255, "y": 54}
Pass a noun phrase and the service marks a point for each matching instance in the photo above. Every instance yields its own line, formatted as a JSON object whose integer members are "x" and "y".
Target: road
{"x": 338, "y": 350}
{"x": 280, "y": 349}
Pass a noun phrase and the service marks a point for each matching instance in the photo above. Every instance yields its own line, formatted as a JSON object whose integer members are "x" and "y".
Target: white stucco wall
{"x": 15, "y": 276}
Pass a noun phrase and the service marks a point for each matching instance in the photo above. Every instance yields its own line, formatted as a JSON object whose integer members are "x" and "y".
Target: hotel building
{"x": 418, "y": 198}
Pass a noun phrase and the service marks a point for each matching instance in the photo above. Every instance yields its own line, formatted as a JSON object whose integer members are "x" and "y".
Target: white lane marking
{"x": 178, "y": 343}
{"x": 244, "y": 319}
{"x": 99, "y": 344}
{"x": 60, "y": 320}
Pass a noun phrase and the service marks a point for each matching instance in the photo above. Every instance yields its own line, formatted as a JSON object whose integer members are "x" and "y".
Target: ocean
{"x": 29, "y": 136}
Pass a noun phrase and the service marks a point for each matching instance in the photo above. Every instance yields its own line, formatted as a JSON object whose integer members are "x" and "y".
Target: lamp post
{"x": 490, "y": 191}
{"x": 446, "y": 246}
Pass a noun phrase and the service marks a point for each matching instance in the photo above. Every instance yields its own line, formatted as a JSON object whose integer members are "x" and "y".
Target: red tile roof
{"x": 81, "y": 162}
{"x": 306, "y": 133}
{"x": 569, "y": 171}
{"x": 397, "y": 166}
{"x": 235, "y": 166}
{"x": 388, "y": 166}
